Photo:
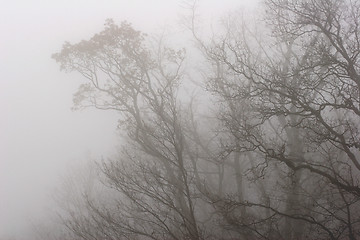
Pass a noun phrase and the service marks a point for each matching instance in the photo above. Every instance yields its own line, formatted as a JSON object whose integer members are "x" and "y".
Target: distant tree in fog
{"x": 153, "y": 187}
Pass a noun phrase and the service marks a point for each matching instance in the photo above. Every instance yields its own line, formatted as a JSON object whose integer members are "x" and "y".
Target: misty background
{"x": 41, "y": 137}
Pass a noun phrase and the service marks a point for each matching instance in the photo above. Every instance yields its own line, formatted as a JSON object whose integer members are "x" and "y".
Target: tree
{"x": 125, "y": 75}
{"x": 292, "y": 98}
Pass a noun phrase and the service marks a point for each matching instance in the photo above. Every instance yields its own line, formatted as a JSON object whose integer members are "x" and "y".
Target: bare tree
{"x": 125, "y": 73}
{"x": 290, "y": 95}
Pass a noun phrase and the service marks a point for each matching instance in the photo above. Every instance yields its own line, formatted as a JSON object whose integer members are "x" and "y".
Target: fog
{"x": 41, "y": 137}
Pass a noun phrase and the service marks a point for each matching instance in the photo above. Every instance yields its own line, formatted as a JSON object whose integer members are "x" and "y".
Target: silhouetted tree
{"x": 289, "y": 88}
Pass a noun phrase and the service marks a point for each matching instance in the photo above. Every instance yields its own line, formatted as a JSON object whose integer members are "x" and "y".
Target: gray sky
{"x": 40, "y": 137}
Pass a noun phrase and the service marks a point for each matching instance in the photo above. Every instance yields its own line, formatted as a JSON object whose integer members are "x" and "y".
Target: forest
{"x": 248, "y": 131}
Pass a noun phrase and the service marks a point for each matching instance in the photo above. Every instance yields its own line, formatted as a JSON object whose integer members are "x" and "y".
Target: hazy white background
{"x": 40, "y": 137}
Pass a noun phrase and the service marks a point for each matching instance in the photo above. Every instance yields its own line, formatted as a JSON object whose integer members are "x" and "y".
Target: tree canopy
{"x": 277, "y": 157}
